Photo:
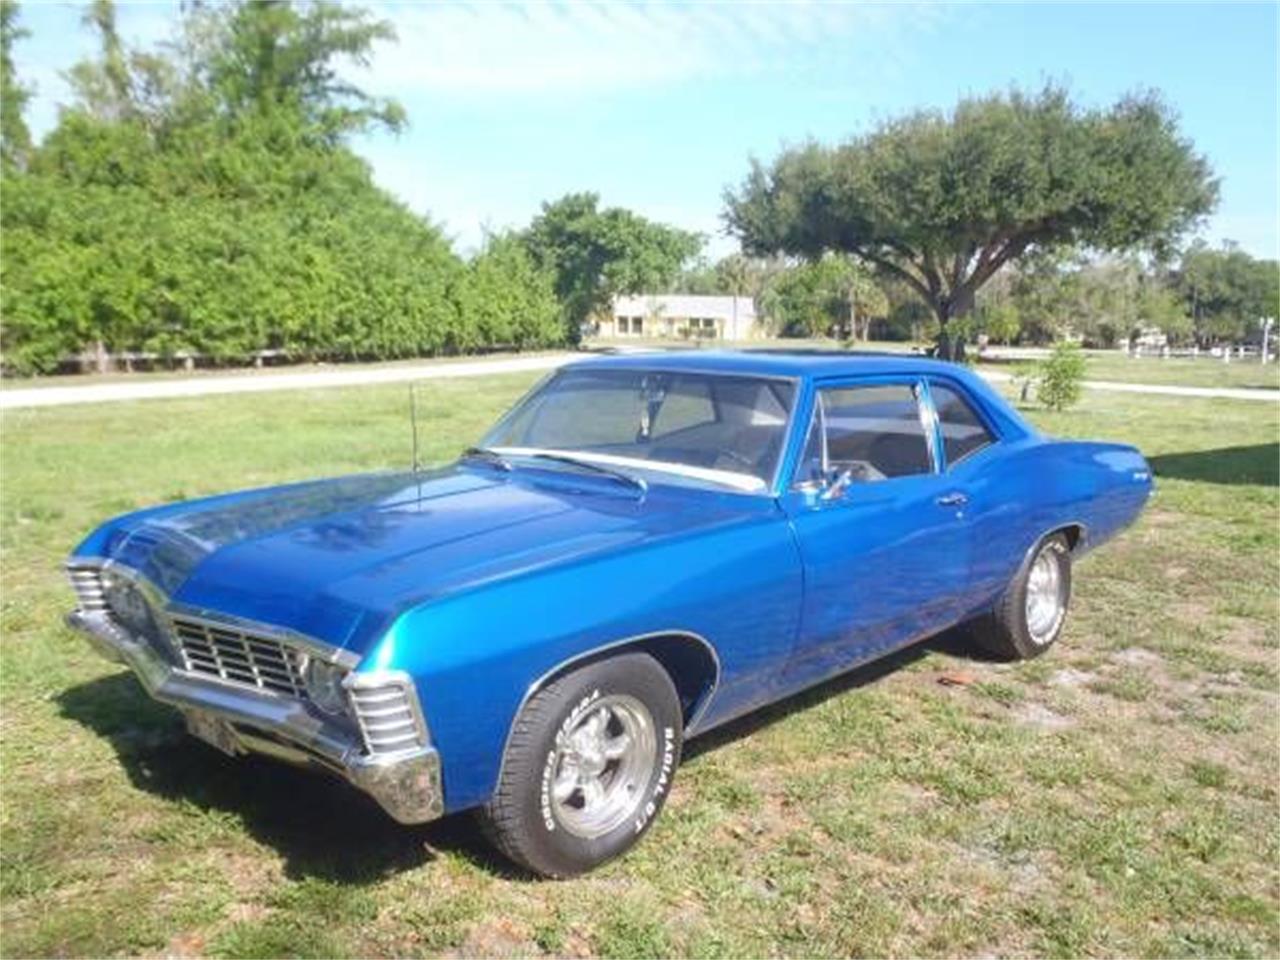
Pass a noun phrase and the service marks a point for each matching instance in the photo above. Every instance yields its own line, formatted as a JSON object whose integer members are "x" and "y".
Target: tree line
{"x": 200, "y": 197}
{"x": 1206, "y": 296}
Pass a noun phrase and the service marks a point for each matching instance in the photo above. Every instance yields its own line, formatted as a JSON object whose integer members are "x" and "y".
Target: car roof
{"x": 812, "y": 364}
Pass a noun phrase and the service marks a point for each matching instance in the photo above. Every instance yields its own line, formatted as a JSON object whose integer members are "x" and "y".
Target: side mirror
{"x": 835, "y": 489}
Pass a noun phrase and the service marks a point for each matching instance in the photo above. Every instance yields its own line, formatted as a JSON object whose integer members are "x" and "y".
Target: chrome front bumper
{"x": 238, "y": 720}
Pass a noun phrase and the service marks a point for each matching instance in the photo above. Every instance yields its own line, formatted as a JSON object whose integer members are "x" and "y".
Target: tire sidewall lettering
{"x": 661, "y": 782}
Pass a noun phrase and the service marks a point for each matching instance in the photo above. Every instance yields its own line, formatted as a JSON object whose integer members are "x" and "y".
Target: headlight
{"x": 324, "y": 685}
{"x": 128, "y": 606}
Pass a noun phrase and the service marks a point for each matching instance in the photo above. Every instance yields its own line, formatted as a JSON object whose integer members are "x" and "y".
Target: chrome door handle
{"x": 956, "y": 499}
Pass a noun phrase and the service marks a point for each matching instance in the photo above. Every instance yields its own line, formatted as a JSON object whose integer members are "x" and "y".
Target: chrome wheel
{"x": 1046, "y": 604}
{"x": 602, "y": 765}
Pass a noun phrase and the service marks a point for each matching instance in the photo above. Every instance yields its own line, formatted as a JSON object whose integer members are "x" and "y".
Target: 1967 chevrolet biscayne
{"x": 645, "y": 547}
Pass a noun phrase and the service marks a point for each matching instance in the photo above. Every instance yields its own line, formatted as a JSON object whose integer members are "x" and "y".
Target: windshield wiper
{"x": 638, "y": 482}
{"x": 489, "y": 456}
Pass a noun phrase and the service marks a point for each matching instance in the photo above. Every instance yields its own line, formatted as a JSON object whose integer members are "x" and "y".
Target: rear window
{"x": 963, "y": 432}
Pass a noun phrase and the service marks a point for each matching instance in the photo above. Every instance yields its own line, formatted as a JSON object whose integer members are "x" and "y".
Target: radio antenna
{"x": 413, "y": 422}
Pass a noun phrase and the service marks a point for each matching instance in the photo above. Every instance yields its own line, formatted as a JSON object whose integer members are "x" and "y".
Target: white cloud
{"x": 489, "y": 52}
{"x": 484, "y": 48}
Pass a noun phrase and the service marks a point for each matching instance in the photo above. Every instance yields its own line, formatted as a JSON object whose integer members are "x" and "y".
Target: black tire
{"x": 1005, "y": 632}
{"x": 522, "y": 819}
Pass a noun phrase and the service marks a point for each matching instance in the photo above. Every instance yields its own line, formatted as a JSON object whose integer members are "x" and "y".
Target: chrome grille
{"x": 87, "y": 583}
{"x": 237, "y": 656}
{"x": 387, "y": 714}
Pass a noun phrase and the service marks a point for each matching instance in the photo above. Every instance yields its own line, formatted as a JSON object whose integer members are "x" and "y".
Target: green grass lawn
{"x": 1116, "y": 797}
{"x": 1199, "y": 372}
{"x": 1186, "y": 372}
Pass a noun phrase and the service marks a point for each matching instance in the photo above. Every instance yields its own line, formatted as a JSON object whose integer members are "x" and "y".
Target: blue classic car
{"x": 643, "y": 548}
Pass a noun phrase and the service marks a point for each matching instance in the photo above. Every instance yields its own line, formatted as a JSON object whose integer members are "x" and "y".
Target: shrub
{"x": 1061, "y": 377}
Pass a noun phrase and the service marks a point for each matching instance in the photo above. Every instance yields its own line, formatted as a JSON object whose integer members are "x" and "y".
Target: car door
{"x": 882, "y": 536}
{"x": 996, "y": 515}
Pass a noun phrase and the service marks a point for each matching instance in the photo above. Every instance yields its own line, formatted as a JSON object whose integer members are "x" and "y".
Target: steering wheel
{"x": 860, "y": 471}
{"x": 739, "y": 458}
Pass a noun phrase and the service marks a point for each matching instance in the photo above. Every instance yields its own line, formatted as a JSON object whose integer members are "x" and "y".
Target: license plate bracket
{"x": 213, "y": 731}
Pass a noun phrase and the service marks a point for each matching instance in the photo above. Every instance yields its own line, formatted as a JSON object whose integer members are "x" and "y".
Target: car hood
{"x": 339, "y": 559}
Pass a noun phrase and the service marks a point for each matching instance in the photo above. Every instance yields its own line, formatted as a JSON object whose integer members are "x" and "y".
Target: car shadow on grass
{"x": 956, "y": 642}
{"x": 1257, "y": 464}
{"x": 321, "y": 826}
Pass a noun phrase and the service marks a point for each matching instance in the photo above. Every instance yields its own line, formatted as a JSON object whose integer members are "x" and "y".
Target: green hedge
{"x": 302, "y": 254}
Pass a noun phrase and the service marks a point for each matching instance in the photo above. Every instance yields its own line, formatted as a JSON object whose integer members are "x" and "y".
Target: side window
{"x": 963, "y": 433}
{"x": 873, "y": 432}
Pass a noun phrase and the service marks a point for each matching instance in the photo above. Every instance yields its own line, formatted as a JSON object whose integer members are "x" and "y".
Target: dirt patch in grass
{"x": 1071, "y": 678}
{"x": 1040, "y": 717}
{"x": 500, "y": 937}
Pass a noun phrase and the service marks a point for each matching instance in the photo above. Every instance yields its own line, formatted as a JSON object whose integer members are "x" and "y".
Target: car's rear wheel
{"x": 588, "y": 766}
{"x": 1030, "y": 616}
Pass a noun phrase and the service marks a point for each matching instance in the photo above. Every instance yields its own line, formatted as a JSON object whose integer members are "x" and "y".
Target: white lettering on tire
{"x": 548, "y": 770}
{"x": 663, "y": 780}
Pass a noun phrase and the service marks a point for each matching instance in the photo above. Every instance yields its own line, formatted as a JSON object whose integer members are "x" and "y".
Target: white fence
{"x": 1224, "y": 354}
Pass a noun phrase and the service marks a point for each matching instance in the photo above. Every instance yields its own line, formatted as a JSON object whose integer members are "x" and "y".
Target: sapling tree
{"x": 1061, "y": 376}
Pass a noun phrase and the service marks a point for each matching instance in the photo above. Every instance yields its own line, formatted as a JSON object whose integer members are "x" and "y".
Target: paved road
{"x": 254, "y": 383}
{"x": 245, "y": 383}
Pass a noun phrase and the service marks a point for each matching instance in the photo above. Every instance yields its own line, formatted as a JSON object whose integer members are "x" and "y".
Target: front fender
{"x": 475, "y": 655}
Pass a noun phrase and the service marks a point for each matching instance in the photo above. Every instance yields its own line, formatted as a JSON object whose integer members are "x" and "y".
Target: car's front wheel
{"x": 1030, "y": 615}
{"x": 588, "y": 766}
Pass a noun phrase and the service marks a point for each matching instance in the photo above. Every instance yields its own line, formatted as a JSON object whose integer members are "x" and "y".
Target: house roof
{"x": 684, "y": 305}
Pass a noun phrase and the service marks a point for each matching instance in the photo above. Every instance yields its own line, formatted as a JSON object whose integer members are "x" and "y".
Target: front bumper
{"x": 238, "y": 720}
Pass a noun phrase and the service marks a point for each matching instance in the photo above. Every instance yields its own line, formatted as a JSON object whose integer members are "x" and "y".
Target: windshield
{"x": 724, "y": 429}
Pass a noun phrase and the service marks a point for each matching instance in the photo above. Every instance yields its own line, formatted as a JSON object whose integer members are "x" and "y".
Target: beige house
{"x": 683, "y": 316}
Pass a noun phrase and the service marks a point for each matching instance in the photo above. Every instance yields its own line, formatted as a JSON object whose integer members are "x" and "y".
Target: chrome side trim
{"x": 1079, "y": 548}
{"x": 744, "y": 482}
{"x": 930, "y": 423}
{"x": 690, "y": 728}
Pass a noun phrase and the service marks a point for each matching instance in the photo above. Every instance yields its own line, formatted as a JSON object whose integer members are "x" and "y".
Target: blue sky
{"x": 658, "y": 106}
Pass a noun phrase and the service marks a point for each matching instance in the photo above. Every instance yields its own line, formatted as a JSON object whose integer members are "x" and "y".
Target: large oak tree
{"x": 941, "y": 201}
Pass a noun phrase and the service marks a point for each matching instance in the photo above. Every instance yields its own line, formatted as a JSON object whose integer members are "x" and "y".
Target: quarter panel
{"x": 1023, "y": 491}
